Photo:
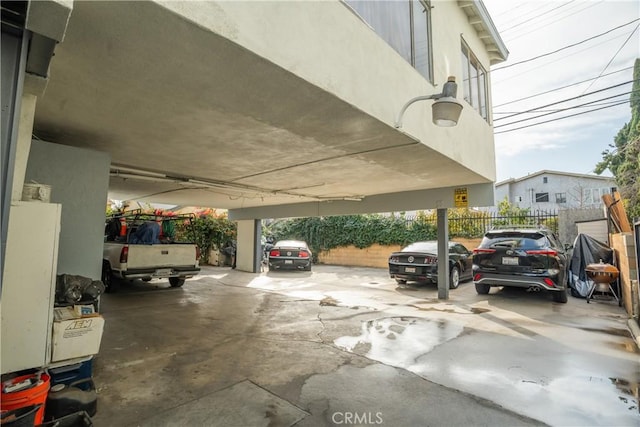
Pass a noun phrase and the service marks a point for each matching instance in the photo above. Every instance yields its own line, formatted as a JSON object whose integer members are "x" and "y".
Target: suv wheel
{"x": 482, "y": 288}
{"x": 560, "y": 296}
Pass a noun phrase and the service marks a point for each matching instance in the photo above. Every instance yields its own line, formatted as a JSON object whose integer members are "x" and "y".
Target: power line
{"x": 614, "y": 57}
{"x": 561, "y": 118}
{"x": 597, "y": 102}
{"x": 560, "y": 110}
{"x": 566, "y": 47}
{"x": 563, "y": 58}
{"x": 568, "y": 99}
{"x": 537, "y": 16}
{"x": 560, "y": 88}
{"x": 553, "y": 22}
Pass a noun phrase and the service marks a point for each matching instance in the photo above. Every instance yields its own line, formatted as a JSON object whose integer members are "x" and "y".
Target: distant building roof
{"x": 549, "y": 172}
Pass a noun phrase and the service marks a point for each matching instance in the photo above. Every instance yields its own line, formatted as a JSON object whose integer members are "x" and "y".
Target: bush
{"x": 362, "y": 231}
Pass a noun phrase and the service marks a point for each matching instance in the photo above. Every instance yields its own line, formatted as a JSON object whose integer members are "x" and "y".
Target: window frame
{"x": 478, "y": 98}
{"x": 410, "y": 28}
{"x": 542, "y": 196}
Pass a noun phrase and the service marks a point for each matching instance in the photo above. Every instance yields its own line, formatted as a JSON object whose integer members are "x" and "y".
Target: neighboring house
{"x": 552, "y": 190}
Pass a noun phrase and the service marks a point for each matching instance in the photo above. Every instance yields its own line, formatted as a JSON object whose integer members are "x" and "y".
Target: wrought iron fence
{"x": 476, "y": 225}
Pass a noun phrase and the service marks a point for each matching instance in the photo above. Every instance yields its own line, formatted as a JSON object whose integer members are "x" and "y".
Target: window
{"x": 614, "y": 189}
{"x": 404, "y": 25}
{"x": 542, "y": 197}
{"x": 561, "y": 197}
{"x": 596, "y": 195}
{"x": 544, "y": 180}
{"x": 587, "y": 196}
{"x": 474, "y": 82}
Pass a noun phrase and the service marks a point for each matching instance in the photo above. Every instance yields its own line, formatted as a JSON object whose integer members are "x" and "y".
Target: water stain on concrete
{"x": 400, "y": 341}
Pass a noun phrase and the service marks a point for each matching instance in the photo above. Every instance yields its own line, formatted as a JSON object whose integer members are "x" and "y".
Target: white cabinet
{"x": 28, "y": 285}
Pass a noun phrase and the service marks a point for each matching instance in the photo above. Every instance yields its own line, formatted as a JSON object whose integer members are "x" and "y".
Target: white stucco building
{"x": 552, "y": 190}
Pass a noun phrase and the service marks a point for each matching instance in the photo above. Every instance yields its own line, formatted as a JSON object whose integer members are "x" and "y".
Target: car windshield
{"x": 514, "y": 240}
{"x": 291, "y": 244}
{"x": 431, "y": 247}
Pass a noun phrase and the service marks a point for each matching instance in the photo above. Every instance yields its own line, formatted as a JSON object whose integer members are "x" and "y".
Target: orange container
{"x": 36, "y": 395}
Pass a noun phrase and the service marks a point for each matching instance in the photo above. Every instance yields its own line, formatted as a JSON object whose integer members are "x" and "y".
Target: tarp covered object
{"x": 586, "y": 250}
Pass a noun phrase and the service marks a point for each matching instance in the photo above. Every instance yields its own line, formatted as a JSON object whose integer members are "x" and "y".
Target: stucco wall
{"x": 373, "y": 256}
{"x": 365, "y": 72}
{"x": 79, "y": 179}
{"x": 567, "y": 228}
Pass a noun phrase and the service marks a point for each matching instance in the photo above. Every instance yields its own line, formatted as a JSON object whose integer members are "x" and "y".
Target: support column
{"x": 443, "y": 254}
{"x": 248, "y": 245}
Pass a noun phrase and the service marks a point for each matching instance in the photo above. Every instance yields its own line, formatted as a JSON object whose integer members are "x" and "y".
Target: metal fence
{"x": 477, "y": 224}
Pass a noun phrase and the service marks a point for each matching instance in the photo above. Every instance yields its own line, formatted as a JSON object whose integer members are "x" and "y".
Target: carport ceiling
{"x": 191, "y": 118}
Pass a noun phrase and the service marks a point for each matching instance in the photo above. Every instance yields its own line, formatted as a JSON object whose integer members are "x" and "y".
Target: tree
{"x": 211, "y": 230}
{"x": 623, "y": 159}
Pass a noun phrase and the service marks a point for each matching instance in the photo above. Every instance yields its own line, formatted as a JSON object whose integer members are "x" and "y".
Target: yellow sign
{"x": 460, "y": 197}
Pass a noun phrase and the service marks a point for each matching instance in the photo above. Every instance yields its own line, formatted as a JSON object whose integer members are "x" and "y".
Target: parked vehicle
{"x": 418, "y": 262}
{"x": 290, "y": 254}
{"x": 148, "y": 246}
{"x": 530, "y": 258}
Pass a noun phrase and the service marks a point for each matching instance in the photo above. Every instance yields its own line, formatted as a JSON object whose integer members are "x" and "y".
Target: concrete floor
{"x": 347, "y": 346}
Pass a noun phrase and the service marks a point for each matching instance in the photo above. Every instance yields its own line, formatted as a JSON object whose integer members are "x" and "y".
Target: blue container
{"x": 73, "y": 374}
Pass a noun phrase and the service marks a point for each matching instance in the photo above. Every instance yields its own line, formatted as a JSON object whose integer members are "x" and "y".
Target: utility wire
{"x": 568, "y": 99}
{"x": 566, "y": 47}
{"x": 561, "y": 118}
{"x": 563, "y": 58}
{"x": 560, "y": 110}
{"x": 537, "y": 16}
{"x": 539, "y": 27}
{"x": 559, "y": 88}
{"x": 614, "y": 57}
{"x": 546, "y": 111}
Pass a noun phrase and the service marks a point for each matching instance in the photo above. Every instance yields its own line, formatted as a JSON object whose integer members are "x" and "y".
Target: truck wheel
{"x": 176, "y": 282}
{"x": 111, "y": 284}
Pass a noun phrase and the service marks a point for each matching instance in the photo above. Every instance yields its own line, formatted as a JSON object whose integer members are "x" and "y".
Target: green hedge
{"x": 324, "y": 233}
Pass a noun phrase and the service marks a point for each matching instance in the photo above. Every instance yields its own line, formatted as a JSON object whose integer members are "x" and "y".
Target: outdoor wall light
{"x": 446, "y": 109}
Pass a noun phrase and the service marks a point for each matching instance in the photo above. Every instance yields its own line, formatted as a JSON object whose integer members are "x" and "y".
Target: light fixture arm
{"x": 398, "y": 123}
{"x": 449, "y": 90}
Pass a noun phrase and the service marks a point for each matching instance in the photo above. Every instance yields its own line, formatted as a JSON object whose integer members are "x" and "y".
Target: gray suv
{"x": 531, "y": 258}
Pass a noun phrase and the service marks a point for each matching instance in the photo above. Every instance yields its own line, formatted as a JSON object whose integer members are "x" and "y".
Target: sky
{"x": 532, "y": 28}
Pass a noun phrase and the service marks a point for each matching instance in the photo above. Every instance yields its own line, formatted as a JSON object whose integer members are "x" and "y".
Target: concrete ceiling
{"x": 191, "y": 118}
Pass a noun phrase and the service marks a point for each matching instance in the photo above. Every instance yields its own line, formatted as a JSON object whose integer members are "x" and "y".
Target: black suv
{"x": 521, "y": 257}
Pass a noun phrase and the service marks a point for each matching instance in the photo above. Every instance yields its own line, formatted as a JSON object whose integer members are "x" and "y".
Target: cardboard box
{"x": 76, "y": 337}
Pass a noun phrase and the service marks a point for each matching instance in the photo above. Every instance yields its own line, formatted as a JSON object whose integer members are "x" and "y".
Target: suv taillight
{"x": 124, "y": 255}
{"x": 483, "y": 251}
{"x": 549, "y": 252}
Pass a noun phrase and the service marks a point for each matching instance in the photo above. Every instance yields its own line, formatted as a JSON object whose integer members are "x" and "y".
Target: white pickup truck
{"x": 148, "y": 246}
